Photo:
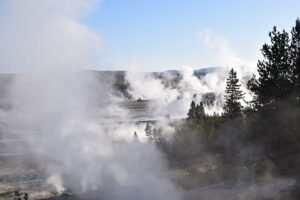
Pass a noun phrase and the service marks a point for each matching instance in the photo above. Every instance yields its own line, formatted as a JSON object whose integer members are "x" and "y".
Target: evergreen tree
{"x": 192, "y": 111}
{"x": 295, "y": 57}
{"x": 199, "y": 111}
{"x": 148, "y": 131}
{"x": 232, "y": 107}
{"x": 275, "y": 74}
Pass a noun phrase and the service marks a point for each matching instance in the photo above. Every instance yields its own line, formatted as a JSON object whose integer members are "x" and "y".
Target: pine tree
{"x": 295, "y": 57}
{"x": 199, "y": 111}
{"x": 275, "y": 74}
{"x": 148, "y": 131}
{"x": 232, "y": 107}
{"x": 192, "y": 111}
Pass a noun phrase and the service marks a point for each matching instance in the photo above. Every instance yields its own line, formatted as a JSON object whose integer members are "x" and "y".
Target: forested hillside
{"x": 249, "y": 140}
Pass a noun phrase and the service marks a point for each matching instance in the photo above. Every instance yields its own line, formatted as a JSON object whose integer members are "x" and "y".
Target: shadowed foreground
{"x": 229, "y": 190}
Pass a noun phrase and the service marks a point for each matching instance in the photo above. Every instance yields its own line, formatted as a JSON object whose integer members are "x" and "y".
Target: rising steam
{"x": 74, "y": 126}
{"x": 54, "y": 105}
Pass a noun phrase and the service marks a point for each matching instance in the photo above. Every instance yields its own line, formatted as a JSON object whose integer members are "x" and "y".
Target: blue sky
{"x": 164, "y": 34}
{"x": 148, "y": 35}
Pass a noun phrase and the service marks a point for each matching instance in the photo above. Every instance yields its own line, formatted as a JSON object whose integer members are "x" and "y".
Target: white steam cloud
{"x": 54, "y": 105}
{"x": 61, "y": 113}
{"x": 175, "y": 101}
{"x": 192, "y": 88}
{"x": 35, "y": 35}
{"x": 224, "y": 55}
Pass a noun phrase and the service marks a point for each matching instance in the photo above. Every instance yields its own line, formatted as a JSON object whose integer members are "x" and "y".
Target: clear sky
{"x": 166, "y": 34}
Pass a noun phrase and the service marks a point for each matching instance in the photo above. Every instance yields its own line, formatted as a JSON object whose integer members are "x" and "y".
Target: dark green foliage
{"x": 196, "y": 112}
{"x": 199, "y": 111}
{"x": 275, "y": 72}
{"x": 295, "y": 58}
{"x": 275, "y": 124}
{"x": 192, "y": 111}
{"x": 233, "y": 96}
{"x": 263, "y": 138}
{"x": 192, "y": 141}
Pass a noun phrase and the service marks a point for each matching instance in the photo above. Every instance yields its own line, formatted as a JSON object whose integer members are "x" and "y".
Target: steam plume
{"x": 54, "y": 105}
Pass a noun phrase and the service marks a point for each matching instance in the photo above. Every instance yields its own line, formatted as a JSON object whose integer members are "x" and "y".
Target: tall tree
{"x": 275, "y": 74}
{"x": 192, "y": 111}
{"x": 199, "y": 111}
{"x": 233, "y": 107}
{"x": 295, "y": 57}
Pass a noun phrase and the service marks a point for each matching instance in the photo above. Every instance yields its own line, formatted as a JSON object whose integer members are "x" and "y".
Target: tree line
{"x": 266, "y": 130}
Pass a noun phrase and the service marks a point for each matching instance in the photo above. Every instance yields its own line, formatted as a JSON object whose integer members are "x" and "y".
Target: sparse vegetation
{"x": 20, "y": 195}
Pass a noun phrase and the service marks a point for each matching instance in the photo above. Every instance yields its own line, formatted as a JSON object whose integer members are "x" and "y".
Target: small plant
{"x": 20, "y": 195}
